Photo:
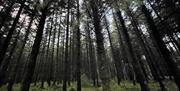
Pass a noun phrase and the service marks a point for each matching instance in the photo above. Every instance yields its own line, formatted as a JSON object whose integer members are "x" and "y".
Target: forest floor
{"x": 86, "y": 86}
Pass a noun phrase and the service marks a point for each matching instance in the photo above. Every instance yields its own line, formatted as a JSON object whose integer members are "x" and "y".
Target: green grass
{"x": 125, "y": 86}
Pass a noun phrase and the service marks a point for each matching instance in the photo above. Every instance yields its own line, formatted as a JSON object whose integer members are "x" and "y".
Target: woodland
{"x": 89, "y": 45}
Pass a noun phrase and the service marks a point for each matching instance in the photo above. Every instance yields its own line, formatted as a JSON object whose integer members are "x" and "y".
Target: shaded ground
{"x": 86, "y": 86}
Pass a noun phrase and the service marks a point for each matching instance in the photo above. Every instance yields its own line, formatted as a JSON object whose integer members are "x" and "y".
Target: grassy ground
{"x": 86, "y": 86}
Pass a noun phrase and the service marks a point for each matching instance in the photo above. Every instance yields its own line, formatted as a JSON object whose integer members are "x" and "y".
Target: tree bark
{"x": 6, "y": 63}
{"x": 35, "y": 49}
{"x": 101, "y": 53}
{"x": 162, "y": 47}
{"x": 78, "y": 47}
{"x": 15, "y": 69}
{"x": 6, "y": 43}
{"x": 66, "y": 64}
{"x": 132, "y": 58}
{"x": 115, "y": 55}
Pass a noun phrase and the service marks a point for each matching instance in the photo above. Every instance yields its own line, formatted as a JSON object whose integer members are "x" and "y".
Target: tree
{"x": 101, "y": 54}
{"x": 78, "y": 46}
{"x": 35, "y": 49}
{"x": 4, "y": 67}
{"x": 66, "y": 50}
{"x": 14, "y": 72}
{"x": 131, "y": 56}
{"x": 115, "y": 54}
{"x": 6, "y": 42}
{"x": 165, "y": 52}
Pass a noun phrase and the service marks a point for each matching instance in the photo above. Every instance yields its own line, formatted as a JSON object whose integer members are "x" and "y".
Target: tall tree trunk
{"x": 58, "y": 53}
{"x": 115, "y": 54}
{"x": 6, "y": 43}
{"x": 42, "y": 77}
{"x": 6, "y": 63}
{"x": 66, "y": 63}
{"x": 163, "y": 22}
{"x": 35, "y": 49}
{"x": 162, "y": 47}
{"x": 53, "y": 61}
{"x": 143, "y": 46}
{"x": 49, "y": 63}
{"x": 15, "y": 69}
{"x": 92, "y": 56}
{"x": 78, "y": 47}
{"x": 101, "y": 53}
{"x": 132, "y": 57}
{"x": 122, "y": 49}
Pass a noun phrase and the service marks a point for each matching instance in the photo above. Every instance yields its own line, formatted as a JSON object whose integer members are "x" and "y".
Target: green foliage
{"x": 85, "y": 81}
{"x": 124, "y": 86}
{"x": 72, "y": 89}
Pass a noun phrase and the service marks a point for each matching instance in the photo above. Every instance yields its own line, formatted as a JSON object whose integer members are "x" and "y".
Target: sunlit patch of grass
{"x": 171, "y": 86}
{"x": 124, "y": 86}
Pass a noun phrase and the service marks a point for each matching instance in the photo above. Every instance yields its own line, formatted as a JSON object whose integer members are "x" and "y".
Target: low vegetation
{"x": 125, "y": 86}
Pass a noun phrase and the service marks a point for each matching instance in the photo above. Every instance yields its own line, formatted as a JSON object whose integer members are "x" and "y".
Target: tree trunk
{"x": 132, "y": 58}
{"x": 145, "y": 50}
{"x": 101, "y": 54}
{"x": 66, "y": 63}
{"x": 92, "y": 58}
{"x": 35, "y": 49}
{"x": 162, "y": 47}
{"x": 115, "y": 55}
{"x": 15, "y": 69}
{"x": 53, "y": 61}
{"x": 4, "y": 66}
{"x": 78, "y": 47}
{"x": 6, "y": 43}
{"x": 58, "y": 53}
